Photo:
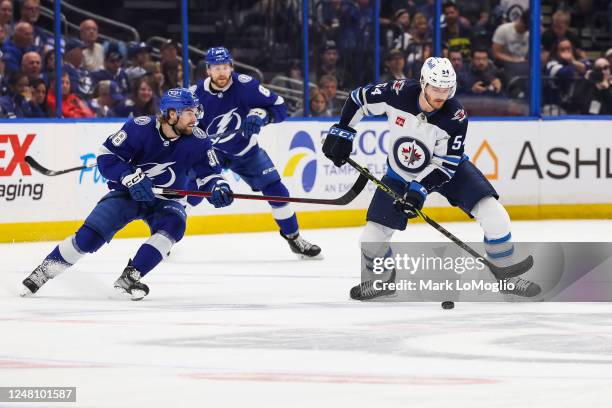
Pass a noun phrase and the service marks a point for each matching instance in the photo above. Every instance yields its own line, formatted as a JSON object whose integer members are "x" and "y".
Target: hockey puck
{"x": 448, "y": 304}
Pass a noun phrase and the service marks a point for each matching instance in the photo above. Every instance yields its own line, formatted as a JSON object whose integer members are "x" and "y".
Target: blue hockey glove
{"x": 339, "y": 143}
{"x": 255, "y": 120}
{"x": 222, "y": 195}
{"x": 414, "y": 198}
{"x": 139, "y": 185}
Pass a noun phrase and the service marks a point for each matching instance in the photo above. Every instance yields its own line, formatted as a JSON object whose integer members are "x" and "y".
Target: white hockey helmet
{"x": 439, "y": 72}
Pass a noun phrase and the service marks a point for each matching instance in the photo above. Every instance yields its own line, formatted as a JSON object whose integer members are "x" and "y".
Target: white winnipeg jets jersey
{"x": 424, "y": 147}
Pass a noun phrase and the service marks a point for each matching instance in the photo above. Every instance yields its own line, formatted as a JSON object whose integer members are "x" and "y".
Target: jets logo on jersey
{"x": 398, "y": 85}
{"x": 400, "y": 121}
{"x": 161, "y": 173}
{"x": 410, "y": 154}
{"x": 460, "y": 115}
{"x": 228, "y": 121}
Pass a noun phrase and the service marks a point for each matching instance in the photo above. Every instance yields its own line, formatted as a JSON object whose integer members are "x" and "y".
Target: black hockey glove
{"x": 339, "y": 143}
{"x": 414, "y": 198}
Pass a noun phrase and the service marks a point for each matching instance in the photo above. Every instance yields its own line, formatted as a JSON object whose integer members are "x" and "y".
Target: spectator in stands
{"x": 156, "y": 77}
{"x": 319, "y": 106}
{"x": 106, "y": 97}
{"x": 93, "y": 54}
{"x": 559, "y": 29}
{"x": 49, "y": 62}
{"x": 39, "y": 95}
{"x": 72, "y": 105}
{"x": 583, "y": 17}
{"x": 139, "y": 53}
{"x": 31, "y": 65}
{"x": 332, "y": 15}
{"x": 328, "y": 64}
{"x": 483, "y": 77}
{"x": 456, "y": 59}
{"x": 141, "y": 103}
{"x": 455, "y": 33}
{"x": 20, "y": 43}
{"x": 80, "y": 78}
{"x": 419, "y": 47}
{"x": 399, "y": 33}
{"x": 565, "y": 68}
{"x": 482, "y": 31}
{"x": 17, "y": 103}
{"x": 292, "y": 78}
{"x": 30, "y": 11}
{"x": 6, "y": 17}
{"x": 3, "y": 80}
{"x": 328, "y": 84}
{"x": 511, "y": 46}
{"x": 168, "y": 52}
{"x": 113, "y": 60}
{"x": 593, "y": 94}
{"x": 395, "y": 62}
{"x": 3, "y": 34}
{"x": 173, "y": 74}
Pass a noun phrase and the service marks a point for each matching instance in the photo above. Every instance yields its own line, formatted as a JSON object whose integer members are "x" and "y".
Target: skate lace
{"x": 367, "y": 289}
{"x": 302, "y": 243}
{"x": 38, "y": 277}
{"x": 133, "y": 275}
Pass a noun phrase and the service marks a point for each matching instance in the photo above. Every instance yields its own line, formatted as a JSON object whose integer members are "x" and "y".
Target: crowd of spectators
{"x": 487, "y": 42}
{"x": 99, "y": 79}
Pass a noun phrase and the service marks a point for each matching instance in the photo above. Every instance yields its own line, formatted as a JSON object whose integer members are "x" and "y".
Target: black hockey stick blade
{"x": 47, "y": 172}
{"x": 499, "y": 271}
{"x": 350, "y": 195}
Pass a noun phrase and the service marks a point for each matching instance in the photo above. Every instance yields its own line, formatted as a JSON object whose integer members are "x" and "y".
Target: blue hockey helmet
{"x": 180, "y": 99}
{"x": 218, "y": 55}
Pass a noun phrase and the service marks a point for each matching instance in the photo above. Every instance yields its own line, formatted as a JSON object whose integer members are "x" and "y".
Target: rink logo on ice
{"x": 302, "y": 160}
{"x": 410, "y": 154}
{"x": 486, "y": 160}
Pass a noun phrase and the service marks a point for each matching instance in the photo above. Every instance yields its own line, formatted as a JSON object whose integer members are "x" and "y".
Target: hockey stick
{"x": 350, "y": 195}
{"x": 500, "y": 272}
{"x": 48, "y": 172}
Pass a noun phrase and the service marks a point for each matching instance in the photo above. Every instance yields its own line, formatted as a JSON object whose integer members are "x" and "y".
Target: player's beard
{"x": 220, "y": 82}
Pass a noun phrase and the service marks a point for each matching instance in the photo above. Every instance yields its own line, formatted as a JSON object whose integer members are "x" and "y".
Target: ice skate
{"x": 129, "y": 283}
{"x": 303, "y": 248}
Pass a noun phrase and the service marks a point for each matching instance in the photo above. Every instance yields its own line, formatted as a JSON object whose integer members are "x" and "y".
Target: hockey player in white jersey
{"x": 427, "y": 135}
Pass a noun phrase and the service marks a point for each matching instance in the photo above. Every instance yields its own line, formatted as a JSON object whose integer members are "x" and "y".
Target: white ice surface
{"x": 236, "y": 321}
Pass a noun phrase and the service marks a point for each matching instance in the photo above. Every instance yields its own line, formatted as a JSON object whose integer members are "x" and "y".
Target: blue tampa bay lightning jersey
{"x": 424, "y": 147}
{"x": 167, "y": 162}
{"x": 225, "y": 111}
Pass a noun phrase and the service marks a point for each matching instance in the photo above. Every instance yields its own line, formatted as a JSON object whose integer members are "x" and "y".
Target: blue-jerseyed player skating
{"x": 238, "y": 106}
{"x": 148, "y": 152}
{"x": 427, "y": 135}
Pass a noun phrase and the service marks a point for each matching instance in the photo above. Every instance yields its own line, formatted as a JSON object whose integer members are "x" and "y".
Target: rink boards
{"x": 542, "y": 169}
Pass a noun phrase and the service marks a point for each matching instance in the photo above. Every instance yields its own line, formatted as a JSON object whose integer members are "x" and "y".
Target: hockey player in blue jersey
{"x": 147, "y": 152}
{"x": 237, "y": 107}
{"x": 427, "y": 135}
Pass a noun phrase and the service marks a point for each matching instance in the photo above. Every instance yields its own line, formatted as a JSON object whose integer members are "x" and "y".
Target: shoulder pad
{"x": 244, "y": 78}
{"x": 199, "y": 133}
{"x": 142, "y": 120}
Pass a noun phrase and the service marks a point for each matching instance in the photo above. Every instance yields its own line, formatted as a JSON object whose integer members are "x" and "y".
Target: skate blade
{"x": 303, "y": 257}
{"x": 25, "y": 291}
{"x": 135, "y": 295}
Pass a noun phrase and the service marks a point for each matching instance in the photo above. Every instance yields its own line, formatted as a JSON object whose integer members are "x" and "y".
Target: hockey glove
{"x": 255, "y": 120}
{"x": 413, "y": 199}
{"x": 139, "y": 185}
{"x": 339, "y": 143}
{"x": 222, "y": 195}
